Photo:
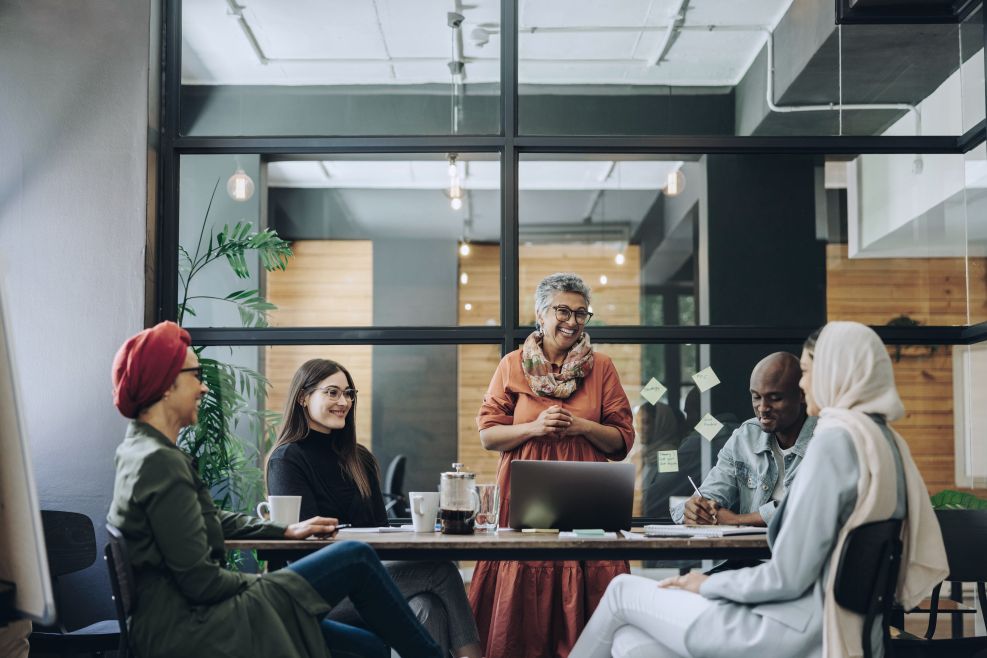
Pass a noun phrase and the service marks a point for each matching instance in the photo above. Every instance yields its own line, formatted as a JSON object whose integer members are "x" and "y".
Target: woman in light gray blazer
{"x": 781, "y": 607}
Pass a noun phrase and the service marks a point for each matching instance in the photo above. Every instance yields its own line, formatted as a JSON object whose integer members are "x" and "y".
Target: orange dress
{"x": 538, "y": 609}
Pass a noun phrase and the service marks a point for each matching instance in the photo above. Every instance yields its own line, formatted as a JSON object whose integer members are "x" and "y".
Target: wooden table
{"x": 506, "y": 545}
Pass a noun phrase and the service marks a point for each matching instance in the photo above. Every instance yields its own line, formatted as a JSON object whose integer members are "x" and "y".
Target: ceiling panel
{"x": 570, "y": 13}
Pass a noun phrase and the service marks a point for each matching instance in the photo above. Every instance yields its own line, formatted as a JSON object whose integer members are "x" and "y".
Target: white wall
{"x": 73, "y": 193}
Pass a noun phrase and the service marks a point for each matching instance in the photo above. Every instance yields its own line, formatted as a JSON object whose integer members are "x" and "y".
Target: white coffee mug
{"x": 283, "y": 510}
{"x": 424, "y": 509}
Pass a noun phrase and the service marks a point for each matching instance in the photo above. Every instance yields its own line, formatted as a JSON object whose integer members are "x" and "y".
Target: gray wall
{"x": 73, "y": 189}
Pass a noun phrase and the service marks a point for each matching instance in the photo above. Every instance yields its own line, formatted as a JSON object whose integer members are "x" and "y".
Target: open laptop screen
{"x": 567, "y": 495}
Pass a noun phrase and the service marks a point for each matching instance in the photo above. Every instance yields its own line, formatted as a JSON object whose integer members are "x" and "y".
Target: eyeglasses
{"x": 196, "y": 372}
{"x": 333, "y": 393}
{"x": 563, "y": 313}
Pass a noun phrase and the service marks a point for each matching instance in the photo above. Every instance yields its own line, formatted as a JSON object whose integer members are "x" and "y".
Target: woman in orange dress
{"x": 555, "y": 399}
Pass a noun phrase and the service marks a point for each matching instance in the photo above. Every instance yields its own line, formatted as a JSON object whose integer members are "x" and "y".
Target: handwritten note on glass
{"x": 708, "y": 427}
{"x": 653, "y": 391}
{"x": 705, "y": 379}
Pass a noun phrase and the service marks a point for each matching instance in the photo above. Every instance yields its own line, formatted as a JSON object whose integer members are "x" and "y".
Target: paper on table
{"x": 706, "y": 379}
{"x": 404, "y": 528}
{"x": 627, "y": 534}
{"x": 668, "y": 461}
{"x": 653, "y": 391}
{"x": 708, "y": 427}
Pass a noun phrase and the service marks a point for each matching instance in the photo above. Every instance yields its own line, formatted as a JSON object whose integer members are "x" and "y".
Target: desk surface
{"x": 519, "y": 546}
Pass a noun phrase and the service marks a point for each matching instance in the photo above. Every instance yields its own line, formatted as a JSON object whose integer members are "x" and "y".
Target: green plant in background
{"x": 228, "y": 463}
{"x": 950, "y": 499}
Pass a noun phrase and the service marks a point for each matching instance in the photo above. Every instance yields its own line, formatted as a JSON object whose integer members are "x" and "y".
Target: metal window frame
{"x": 510, "y": 145}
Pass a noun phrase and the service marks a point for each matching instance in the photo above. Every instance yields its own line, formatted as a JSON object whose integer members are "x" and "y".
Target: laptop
{"x": 567, "y": 495}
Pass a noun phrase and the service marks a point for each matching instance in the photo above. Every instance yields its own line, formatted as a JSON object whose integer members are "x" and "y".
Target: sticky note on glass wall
{"x": 708, "y": 427}
{"x": 668, "y": 461}
{"x": 705, "y": 379}
{"x": 653, "y": 391}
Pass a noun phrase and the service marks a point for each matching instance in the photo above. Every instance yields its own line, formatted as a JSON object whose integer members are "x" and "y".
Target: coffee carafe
{"x": 458, "y": 501}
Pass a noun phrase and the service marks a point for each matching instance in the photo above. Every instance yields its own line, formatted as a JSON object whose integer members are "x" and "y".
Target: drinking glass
{"x": 487, "y": 518}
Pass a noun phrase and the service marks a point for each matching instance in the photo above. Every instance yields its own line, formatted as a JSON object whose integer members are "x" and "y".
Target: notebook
{"x": 701, "y": 530}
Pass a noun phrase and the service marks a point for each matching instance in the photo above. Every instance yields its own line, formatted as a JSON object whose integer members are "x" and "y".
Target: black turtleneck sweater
{"x": 311, "y": 469}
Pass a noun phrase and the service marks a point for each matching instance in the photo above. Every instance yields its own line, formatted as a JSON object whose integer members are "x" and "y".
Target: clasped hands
{"x": 556, "y": 421}
{"x": 318, "y": 527}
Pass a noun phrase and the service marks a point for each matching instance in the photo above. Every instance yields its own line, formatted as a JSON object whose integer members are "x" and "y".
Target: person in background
{"x": 318, "y": 458}
{"x": 857, "y": 471}
{"x": 760, "y": 460}
{"x": 558, "y": 399}
{"x": 187, "y": 603}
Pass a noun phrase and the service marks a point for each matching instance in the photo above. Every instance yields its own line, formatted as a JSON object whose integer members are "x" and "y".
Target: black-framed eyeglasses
{"x": 196, "y": 372}
{"x": 333, "y": 393}
{"x": 563, "y": 313}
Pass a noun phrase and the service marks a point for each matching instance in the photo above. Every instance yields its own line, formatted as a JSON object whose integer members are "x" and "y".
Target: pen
{"x": 343, "y": 525}
{"x": 699, "y": 494}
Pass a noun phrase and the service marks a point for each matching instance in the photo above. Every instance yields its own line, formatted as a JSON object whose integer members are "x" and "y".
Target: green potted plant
{"x": 228, "y": 462}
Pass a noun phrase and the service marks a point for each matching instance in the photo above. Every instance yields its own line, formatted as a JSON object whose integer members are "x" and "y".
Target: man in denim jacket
{"x": 744, "y": 487}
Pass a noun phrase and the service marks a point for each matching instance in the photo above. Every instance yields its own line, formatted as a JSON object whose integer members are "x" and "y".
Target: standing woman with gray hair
{"x": 553, "y": 399}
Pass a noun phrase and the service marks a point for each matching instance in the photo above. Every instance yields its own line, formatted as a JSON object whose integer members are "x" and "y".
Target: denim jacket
{"x": 746, "y": 472}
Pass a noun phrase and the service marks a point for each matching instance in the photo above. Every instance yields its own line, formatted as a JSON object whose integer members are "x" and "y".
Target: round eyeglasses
{"x": 563, "y": 313}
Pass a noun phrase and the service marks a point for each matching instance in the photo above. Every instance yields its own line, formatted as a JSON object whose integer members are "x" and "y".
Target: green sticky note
{"x": 589, "y": 532}
{"x": 668, "y": 461}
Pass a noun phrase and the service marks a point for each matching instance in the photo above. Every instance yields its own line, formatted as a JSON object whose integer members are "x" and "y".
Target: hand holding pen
{"x": 699, "y": 510}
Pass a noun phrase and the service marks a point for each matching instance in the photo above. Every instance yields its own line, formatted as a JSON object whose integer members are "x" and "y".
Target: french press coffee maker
{"x": 458, "y": 501}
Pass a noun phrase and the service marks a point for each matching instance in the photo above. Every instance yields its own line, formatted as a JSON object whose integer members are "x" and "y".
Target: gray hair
{"x": 553, "y": 284}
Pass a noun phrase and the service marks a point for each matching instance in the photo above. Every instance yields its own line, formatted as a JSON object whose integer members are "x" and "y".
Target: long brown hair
{"x": 356, "y": 459}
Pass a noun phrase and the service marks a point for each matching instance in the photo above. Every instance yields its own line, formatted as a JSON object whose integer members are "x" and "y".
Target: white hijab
{"x": 852, "y": 376}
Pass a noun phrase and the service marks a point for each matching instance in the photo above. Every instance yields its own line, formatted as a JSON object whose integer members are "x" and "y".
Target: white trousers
{"x": 638, "y": 619}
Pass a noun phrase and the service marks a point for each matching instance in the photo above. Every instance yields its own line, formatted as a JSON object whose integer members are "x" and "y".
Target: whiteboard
{"x": 22, "y": 545}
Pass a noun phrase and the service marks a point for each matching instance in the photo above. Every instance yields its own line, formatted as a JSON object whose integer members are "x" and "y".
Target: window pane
{"x": 377, "y": 240}
{"x": 972, "y": 76}
{"x": 757, "y": 239}
{"x": 924, "y": 376}
{"x": 732, "y": 67}
{"x": 354, "y": 67}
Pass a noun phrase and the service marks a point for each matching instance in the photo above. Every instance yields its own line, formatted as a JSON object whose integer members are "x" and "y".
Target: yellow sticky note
{"x": 708, "y": 427}
{"x": 668, "y": 461}
{"x": 653, "y": 391}
{"x": 705, "y": 379}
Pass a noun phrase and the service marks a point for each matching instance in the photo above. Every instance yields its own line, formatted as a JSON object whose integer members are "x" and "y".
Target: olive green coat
{"x": 187, "y": 603}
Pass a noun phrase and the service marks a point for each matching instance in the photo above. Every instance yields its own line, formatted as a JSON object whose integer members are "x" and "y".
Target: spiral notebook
{"x": 701, "y": 531}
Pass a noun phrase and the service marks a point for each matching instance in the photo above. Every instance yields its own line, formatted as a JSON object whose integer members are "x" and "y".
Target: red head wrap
{"x": 147, "y": 365}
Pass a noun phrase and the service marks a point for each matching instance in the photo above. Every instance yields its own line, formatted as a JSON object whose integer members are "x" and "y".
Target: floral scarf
{"x": 538, "y": 371}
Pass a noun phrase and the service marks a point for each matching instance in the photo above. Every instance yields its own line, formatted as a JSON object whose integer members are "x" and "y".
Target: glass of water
{"x": 488, "y": 515}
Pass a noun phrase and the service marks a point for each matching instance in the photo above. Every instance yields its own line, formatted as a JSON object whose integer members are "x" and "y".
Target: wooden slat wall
{"x": 932, "y": 291}
{"x": 328, "y": 283}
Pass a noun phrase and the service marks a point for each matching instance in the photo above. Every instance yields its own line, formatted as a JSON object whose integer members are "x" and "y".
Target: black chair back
{"x": 396, "y": 505}
{"x": 121, "y": 582}
{"x": 867, "y": 573}
{"x": 70, "y": 540}
{"x": 964, "y": 532}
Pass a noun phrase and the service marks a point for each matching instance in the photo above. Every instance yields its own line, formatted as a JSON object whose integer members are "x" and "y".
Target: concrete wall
{"x": 73, "y": 189}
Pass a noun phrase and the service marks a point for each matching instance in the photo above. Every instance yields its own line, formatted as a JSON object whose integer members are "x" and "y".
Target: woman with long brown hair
{"x": 318, "y": 458}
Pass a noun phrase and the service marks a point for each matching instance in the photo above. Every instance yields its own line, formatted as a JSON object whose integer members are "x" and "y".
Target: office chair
{"x": 964, "y": 532}
{"x": 70, "y": 542}
{"x": 867, "y": 574}
{"x": 122, "y": 584}
{"x": 396, "y": 502}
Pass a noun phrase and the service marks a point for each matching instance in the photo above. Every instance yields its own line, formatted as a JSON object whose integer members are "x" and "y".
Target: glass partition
{"x": 787, "y": 240}
{"x": 376, "y": 240}
{"x": 772, "y": 67}
{"x": 360, "y": 67}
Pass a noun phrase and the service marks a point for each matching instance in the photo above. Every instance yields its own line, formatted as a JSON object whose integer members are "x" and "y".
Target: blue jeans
{"x": 352, "y": 569}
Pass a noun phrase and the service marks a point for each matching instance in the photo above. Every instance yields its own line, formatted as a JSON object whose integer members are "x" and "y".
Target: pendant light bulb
{"x": 456, "y": 203}
{"x": 619, "y": 258}
{"x": 240, "y": 186}
{"x": 464, "y": 249}
{"x": 464, "y": 278}
{"x": 603, "y": 279}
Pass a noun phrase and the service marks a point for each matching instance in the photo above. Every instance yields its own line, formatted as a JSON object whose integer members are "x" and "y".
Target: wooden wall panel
{"x": 328, "y": 283}
{"x": 932, "y": 291}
